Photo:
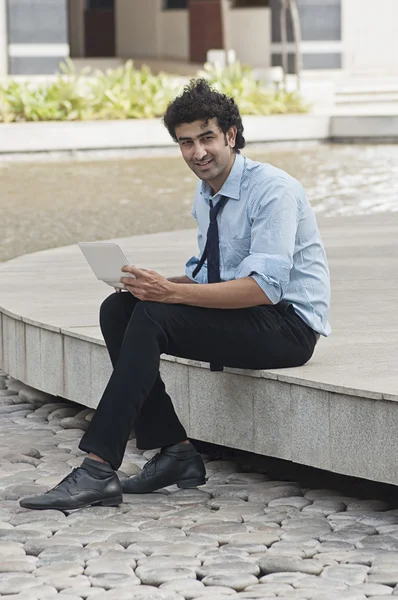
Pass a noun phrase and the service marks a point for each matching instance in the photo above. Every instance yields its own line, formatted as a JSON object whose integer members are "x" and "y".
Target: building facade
{"x": 336, "y": 34}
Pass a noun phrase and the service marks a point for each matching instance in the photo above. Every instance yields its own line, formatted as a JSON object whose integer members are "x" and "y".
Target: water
{"x": 51, "y": 203}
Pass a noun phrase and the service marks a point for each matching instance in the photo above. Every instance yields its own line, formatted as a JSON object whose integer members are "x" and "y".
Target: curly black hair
{"x": 200, "y": 102}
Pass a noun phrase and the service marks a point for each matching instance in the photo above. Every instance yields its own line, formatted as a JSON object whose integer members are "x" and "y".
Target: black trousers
{"x": 138, "y": 332}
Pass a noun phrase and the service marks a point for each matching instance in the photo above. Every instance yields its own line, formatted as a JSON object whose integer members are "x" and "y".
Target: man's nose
{"x": 199, "y": 152}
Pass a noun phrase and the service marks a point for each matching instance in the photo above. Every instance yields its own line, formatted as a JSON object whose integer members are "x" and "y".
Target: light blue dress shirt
{"x": 268, "y": 231}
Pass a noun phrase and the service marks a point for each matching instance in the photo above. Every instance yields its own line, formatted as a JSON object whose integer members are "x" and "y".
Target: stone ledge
{"x": 56, "y": 136}
{"x": 48, "y": 136}
{"x": 285, "y": 417}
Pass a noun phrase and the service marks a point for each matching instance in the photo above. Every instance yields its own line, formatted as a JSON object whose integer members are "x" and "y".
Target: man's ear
{"x": 231, "y": 136}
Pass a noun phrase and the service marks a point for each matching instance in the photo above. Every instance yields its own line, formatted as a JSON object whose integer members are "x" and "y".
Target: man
{"x": 256, "y": 297}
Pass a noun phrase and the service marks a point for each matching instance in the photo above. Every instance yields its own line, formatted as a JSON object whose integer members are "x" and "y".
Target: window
{"x": 170, "y": 4}
{"x": 100, "y": 4}
{"x": 249, "y": 3}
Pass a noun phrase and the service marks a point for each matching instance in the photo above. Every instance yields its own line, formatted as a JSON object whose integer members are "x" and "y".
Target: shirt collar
{"x": 231, "y": 187}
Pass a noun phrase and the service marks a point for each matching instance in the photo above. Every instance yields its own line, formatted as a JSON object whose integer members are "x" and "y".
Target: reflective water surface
{"x": 54, "y": 203}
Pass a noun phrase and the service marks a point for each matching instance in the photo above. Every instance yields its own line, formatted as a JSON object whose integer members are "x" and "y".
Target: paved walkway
{"x": 242, "y": 534}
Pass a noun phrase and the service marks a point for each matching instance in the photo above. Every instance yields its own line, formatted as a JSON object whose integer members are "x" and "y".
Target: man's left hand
{"x": 148, "y": 285}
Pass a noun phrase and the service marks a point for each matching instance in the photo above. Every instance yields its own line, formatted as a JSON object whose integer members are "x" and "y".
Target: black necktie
{"x": 212, "y": 248}
{"x": 212, "y": 253}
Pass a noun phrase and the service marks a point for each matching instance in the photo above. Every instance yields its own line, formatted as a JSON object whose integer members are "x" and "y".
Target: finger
{"x": 132, "y": 269}
{"x": 129, "y": 281}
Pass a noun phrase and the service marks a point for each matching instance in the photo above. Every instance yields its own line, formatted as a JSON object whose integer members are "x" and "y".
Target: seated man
{"x": 256, "y": 297}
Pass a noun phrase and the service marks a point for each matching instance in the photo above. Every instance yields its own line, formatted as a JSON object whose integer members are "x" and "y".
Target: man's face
{"x": 207, "y": 150}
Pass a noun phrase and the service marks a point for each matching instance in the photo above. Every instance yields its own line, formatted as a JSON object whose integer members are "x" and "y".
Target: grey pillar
{"x": 3, "y": 39}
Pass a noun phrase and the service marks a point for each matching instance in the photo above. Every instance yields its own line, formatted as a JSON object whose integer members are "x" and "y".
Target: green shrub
{"x": 252, "y": 97}
{"x": 130, "y": 93}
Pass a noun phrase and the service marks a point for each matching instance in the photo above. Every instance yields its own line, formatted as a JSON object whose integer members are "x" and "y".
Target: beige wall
{"x": 76, "y": 27}
{"x": 143, "y": 29}
{"x": 174, "y": 34}
{"x": 250, "y": 35}
{"x": 137, "y": 28}
{"x": 370, "y": 35}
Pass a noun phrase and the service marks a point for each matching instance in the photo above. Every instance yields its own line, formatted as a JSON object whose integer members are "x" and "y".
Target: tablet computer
{"x": 106, "y": 260}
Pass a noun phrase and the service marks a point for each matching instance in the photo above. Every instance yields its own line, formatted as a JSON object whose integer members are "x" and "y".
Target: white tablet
{"x": 106, "y": 260}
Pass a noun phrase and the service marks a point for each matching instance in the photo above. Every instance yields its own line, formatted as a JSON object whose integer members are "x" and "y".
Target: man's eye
{"x": 207, "y": 138}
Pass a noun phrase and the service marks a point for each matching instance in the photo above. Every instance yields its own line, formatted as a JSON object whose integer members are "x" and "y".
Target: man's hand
{"x": 148, "y": 285}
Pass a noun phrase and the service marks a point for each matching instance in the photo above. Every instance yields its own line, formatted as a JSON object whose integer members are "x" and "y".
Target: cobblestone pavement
{"x": 241, "y": 534}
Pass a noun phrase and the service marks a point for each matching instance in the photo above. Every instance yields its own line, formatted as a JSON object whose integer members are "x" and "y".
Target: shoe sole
{"x": 191, "y": 483}
{"x": 107, "y": 502}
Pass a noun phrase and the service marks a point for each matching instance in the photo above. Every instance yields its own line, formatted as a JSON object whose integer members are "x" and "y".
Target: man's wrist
{"x": 174, "y": 296}
{"x": 180, "y": 279}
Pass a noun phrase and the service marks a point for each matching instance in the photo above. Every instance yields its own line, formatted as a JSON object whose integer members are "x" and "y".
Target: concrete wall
{"x": 370, "y": 35}
{"x": 250, "y": 35}
{"x": 76, "y": 27}
{"x": 144, "y": 29}
{"x": 137, "y": 28}
{"x": 3, "y": 39}
{"x": 174, "y": 34}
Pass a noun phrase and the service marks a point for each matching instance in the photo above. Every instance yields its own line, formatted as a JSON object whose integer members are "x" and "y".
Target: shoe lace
{"x": 152, "y": 461}
{"x": 70, "y": 478}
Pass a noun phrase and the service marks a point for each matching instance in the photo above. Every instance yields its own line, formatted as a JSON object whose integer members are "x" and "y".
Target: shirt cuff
{"x": 191, "y": 265}
{"x": 257, "y": 266}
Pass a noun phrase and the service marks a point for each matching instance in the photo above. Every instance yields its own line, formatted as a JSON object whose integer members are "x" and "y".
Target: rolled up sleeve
{"x": 191, "y": 265}
{"x": 273, "y": 237}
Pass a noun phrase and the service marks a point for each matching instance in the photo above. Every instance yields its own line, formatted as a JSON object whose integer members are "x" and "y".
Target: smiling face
{"x": 207, "y": 150}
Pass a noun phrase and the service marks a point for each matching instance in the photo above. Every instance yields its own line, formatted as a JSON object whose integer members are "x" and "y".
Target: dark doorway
{"x": 99, "y": 28}
{"x": 205, "y": 28}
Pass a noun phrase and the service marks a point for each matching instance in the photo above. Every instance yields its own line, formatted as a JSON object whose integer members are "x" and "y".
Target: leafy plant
{"x": 130, "y": 93}
{"x": 252, "y": 97}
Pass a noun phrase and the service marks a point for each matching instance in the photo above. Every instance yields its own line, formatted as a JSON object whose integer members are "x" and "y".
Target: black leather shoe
{"x": 171, "y": 465}
{"x": 79, "y": 489}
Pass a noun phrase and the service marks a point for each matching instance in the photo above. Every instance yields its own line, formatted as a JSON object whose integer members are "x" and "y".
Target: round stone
{"x": 113, "y": 580}
{"x": 237, "y": 581}
{"x": 181, "y": 586}
{"x": 224, "y": 568}
{"x": 280, "y": 564}
{"x": 142, "y": 592}
{"x": 18, "y": 582}
{"x": 8, "y": 549}
{"x": 283, "y": 491}
{"x": 65, "y": 569}
{"x": 294, "y": 549}
{"x": 388, "y": 576}
{"x": 289, "y": 578}
{"x": 16, "y": 535}
{"x": 222, "y": 532}
{"x": 270, "y": 588}
{"x": 304, "y": 533}
{"x": 384, "y": 542}
{"x": 27, "y": 564}
{"x": 108, "y": 566}
{"x": 162, "y": 562}
{"x": 217, "y": 590}
{"x": 348, "y": 574}
{"x": 372, "y": 589}
{"x": 266, "y": 538}
{"x": 296, "y": 501}
{"x": 36, "y": 547}
{"x": 157, "y": 576}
